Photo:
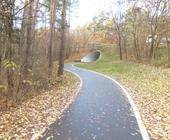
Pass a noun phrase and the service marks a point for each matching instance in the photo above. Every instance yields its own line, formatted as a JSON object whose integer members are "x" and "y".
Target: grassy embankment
{"x": 149, "y": 87}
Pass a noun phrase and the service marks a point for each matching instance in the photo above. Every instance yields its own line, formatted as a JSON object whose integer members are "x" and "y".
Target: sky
{"x": 88, "y": 9}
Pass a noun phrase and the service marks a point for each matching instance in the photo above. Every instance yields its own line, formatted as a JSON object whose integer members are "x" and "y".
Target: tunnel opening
{"x": 91, "y": 57}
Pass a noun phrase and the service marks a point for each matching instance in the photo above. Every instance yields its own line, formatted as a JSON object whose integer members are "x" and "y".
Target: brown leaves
{"x": 32, "y": 118}
{"x": 150, "y": 88}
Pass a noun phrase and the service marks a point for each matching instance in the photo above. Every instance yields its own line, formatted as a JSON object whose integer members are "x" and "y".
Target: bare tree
{"x": 153, "y": 18}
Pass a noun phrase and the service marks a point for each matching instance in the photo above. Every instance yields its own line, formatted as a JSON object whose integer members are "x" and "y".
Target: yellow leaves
{"x": 150, "y": 89}
{"x": 30, "y": 120}
{"x": 31, "y": 83}
{"x": 9, "y": 64}
{"x": 3, "y": 88}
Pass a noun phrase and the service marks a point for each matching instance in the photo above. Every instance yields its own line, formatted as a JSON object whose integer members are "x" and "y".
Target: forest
{"x": 140, "y": 30}
{"x": 29, "y": 40}
{"x": 37, "y": 39}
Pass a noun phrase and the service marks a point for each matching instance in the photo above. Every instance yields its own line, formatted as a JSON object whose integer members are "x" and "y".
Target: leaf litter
{"x": 33, "y": 117}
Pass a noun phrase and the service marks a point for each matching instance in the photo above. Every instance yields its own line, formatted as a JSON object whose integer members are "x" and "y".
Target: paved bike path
{"x": 100, "y": 112}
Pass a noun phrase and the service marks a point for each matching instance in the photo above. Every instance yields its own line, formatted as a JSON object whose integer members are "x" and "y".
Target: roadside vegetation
{"x": 36, "y": 39}
{"x": 140, "y": 60}
{"x": 30, "y": 119}
{"x": 32, "y": 38}
{"x": 34, "y": 89}
{"x": 148, "y": 85}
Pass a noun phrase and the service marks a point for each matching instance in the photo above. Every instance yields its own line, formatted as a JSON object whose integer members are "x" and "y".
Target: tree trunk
{"x": 136, "y": 46}
{"x": 153, "y": 33}
{"x": 62, "y": 47}
{"x": 22, "y": 34}
{"x": 9, "y": 51}
{"x": 151, "y": 49}
{"x": 120, "y": 46}
{"x": 36, "y": 9}
{"x": 28, "y": 40}
{"x": 30, "y": 24}
{"x": 124, "y": 46}
{"x": 0, "y": 68}
{"x": 0, "y": 62}
{"x": 119, "y": 40}
{"x": 53, "y": 7}
{"x": 168, "y": 47}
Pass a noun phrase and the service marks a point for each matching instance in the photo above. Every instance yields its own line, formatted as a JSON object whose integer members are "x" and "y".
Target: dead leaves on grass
{"x": 150, "y": 88}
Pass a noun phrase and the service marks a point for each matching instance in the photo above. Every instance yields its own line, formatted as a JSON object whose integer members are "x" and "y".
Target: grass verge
{"x": 149, "y": 87}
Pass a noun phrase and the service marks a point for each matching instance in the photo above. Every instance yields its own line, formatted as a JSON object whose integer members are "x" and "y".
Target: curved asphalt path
{"x": 100, "y": 112}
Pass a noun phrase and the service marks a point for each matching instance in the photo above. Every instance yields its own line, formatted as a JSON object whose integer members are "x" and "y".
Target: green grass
{"x": 109, "y": 64}
{"x": 149, "y": 87}
{"x": 148, "y": 78}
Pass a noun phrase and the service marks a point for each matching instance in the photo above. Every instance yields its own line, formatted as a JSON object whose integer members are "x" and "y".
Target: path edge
{"x": 77, "y": 91}
{"x": 81, "y": 81}
{"x": 140, "y": 123}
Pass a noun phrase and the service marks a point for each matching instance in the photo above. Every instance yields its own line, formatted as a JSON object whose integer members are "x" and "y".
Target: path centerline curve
{"x": 101, "y": 111}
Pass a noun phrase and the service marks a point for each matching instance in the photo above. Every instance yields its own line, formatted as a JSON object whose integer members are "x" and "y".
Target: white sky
{"x": 88, "y": 9}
